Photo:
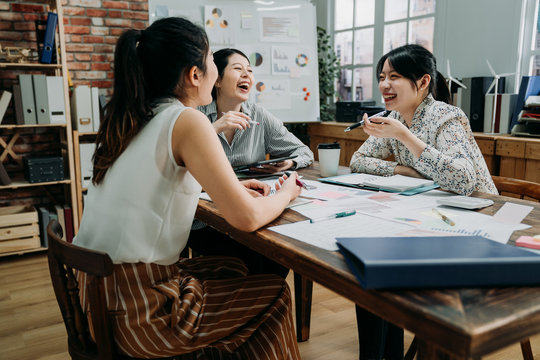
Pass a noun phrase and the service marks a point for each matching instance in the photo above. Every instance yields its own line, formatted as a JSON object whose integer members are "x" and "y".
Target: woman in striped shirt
{"x": 246, "y": 130}
{"x": 154, "y": 151}
{"x": 247, "y": 133}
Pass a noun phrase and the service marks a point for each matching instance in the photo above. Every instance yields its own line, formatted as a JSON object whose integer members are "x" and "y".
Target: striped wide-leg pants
{"x": 206, "y": 306}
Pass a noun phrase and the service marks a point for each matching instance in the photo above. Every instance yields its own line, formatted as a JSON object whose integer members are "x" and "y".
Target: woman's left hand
{"x": 274, "y": 167}
{"x": 256, "y": 188}
{"x": 383, "y": 127}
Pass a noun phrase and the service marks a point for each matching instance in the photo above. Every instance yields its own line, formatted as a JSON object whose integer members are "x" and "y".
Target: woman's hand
{"x": 256, "y": 188}
{"x": 383, "y": 127}
{"x": 391, "y": 128}
{"x": 274, "y": 167}
{"x": 231, "y": 120}
{"x": 288, "y": 184}
{"x": 407, "y": 171}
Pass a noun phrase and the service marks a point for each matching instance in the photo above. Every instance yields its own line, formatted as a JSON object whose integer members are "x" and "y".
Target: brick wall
{"x": 91, "y": 29}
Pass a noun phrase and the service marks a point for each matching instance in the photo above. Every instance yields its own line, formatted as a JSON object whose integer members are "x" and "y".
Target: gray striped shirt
{"x": 269, "y": 137}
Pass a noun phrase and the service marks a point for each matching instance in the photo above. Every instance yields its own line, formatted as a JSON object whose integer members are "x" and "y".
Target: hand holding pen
{"x": 384, "y": 113}
{"x": 233, "y": 120}
{"x": 298, "y": 182}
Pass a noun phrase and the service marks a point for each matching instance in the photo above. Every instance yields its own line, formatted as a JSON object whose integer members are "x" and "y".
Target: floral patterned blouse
{"x": 451, "y": 158}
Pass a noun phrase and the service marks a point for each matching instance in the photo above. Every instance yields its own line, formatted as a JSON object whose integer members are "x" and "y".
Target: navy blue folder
{"x": 48, "y": 40}
{"x": 438, "y": 262}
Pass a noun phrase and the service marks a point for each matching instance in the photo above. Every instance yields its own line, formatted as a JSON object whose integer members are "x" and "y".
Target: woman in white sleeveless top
{"x": 154, "y": 152}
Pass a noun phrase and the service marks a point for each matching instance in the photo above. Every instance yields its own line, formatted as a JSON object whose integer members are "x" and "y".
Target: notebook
{"x": 438, "y": 262}
{"x": 394, "y": 183}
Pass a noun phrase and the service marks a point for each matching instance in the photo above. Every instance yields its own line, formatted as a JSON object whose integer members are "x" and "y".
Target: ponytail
{"x": 440, "y": 88}
{"x": 149, "y": 65}
{"x": 128, "y": 110}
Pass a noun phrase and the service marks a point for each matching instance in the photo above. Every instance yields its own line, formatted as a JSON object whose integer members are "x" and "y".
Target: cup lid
{"x": 334, "y": 145}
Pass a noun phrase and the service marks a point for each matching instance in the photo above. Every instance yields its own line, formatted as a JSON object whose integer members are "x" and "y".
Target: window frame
{"x": 378, "y": 41}
{"x": 529, "y": 17}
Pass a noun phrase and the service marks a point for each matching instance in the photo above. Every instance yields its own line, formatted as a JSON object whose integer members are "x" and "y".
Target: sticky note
{"x": 529, "y": 242}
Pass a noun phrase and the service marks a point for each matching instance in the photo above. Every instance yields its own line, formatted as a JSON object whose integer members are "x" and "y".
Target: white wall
{"x": 467, "y": 32}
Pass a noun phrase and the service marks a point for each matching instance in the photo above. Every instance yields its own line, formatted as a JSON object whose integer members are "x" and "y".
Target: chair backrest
{"x": 517, "y": 188}
{"x": 64, "y": 259}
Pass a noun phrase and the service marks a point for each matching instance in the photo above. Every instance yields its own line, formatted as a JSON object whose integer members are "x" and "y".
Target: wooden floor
{"x": 31, "y": 326}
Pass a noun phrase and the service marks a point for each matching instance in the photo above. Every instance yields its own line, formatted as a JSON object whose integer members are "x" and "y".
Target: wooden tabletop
{"x": 465, "y": 323}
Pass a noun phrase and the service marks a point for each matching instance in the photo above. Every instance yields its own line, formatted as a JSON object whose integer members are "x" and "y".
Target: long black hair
{"x": 221, "y": 59}
{"x": 148, "y": 65}
{"x": 414, "y": 61}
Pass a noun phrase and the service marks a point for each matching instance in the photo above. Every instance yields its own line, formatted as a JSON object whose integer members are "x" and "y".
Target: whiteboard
{"x": 279, "y": 37}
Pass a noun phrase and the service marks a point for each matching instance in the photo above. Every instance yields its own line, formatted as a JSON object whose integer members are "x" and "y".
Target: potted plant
{"x": 328, "y": 73}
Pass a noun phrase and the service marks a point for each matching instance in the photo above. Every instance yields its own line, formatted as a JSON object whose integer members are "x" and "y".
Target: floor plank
{"x": 31, "y": 325}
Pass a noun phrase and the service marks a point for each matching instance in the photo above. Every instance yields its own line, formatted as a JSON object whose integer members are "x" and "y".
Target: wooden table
{"x": 460, "y": 323}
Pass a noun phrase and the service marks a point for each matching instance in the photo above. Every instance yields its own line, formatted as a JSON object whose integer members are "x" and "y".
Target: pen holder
{"x": 329, "y": 158}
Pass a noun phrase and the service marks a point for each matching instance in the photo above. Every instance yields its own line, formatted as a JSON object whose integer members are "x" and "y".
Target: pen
{"x": 361, "y": 122}
{"x": 298, "y": 182}
{"x": 444, "y": 218}
{"x": 333, "y": 216}
{"x": 249, "y": 121}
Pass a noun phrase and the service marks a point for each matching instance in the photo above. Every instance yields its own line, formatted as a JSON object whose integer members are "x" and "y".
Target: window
{"x": 534, "y": 48}
{"x": 359, "y": 41}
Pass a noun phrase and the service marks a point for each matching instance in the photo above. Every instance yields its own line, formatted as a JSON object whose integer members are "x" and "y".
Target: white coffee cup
{"x": 329, "y": 158}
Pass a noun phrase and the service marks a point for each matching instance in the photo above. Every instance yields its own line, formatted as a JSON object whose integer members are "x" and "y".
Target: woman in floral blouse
{"x": 428, "y": 137}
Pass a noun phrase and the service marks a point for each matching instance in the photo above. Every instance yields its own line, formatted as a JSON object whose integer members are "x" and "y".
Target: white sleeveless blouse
{"x": 144, "y": 208}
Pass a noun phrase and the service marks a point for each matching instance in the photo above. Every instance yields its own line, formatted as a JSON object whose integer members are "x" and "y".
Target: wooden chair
{"x": 522, "y": 189}
{"x": 517, "y": 188}
{"x": 64, "y": 258}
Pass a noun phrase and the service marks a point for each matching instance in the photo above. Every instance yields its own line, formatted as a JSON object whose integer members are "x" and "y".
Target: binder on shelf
{"x": 438, "y": 262}
{"x": 41, "y": 27}
{"x": 17, "y": 100}
{"x": 530, "y": 85}
{"x": 48, "y": 39}
{"x": 43, "y": 214}
{"x": 81, "y": 109}
{"x": 68, "y": 217}
{"x": 41, "y": 98}
{"x": 4, "y": 103}
{"x": 4, "y": 177}
{"x": 61, "y": 219}
{"x": 55, "y": 95}
{"x": 27, "y": 99}
{"x": 503, "y": 113}
{"x": 86, "y": 151}
{"x": 96, "y": 118}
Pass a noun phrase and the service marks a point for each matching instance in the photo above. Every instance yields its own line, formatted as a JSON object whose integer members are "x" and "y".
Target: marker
{"x": 249, "y": 121}
{"x": 298, "y": 182}
{"x": 334, "y": 216}
{"x": 384, "y": 113}
{"x": 444, "y": 218}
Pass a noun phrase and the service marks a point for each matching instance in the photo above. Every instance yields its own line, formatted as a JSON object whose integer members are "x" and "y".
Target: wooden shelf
{"x": 30, "y": 66}
{"x": 93, "y": 133}
{"x": 12, "y": 132}
{"x": 22, "y": 252}
{"x": 25, "y": 184}
{"x": 16, "y": 126}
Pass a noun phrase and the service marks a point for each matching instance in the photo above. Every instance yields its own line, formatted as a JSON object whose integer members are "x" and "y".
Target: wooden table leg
{"x": 303, "y": 291}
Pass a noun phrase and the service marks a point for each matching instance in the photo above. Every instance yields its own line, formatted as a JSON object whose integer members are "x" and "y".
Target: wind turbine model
{"x": 495, "y": 84}
{"x": 451, "y": 79}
